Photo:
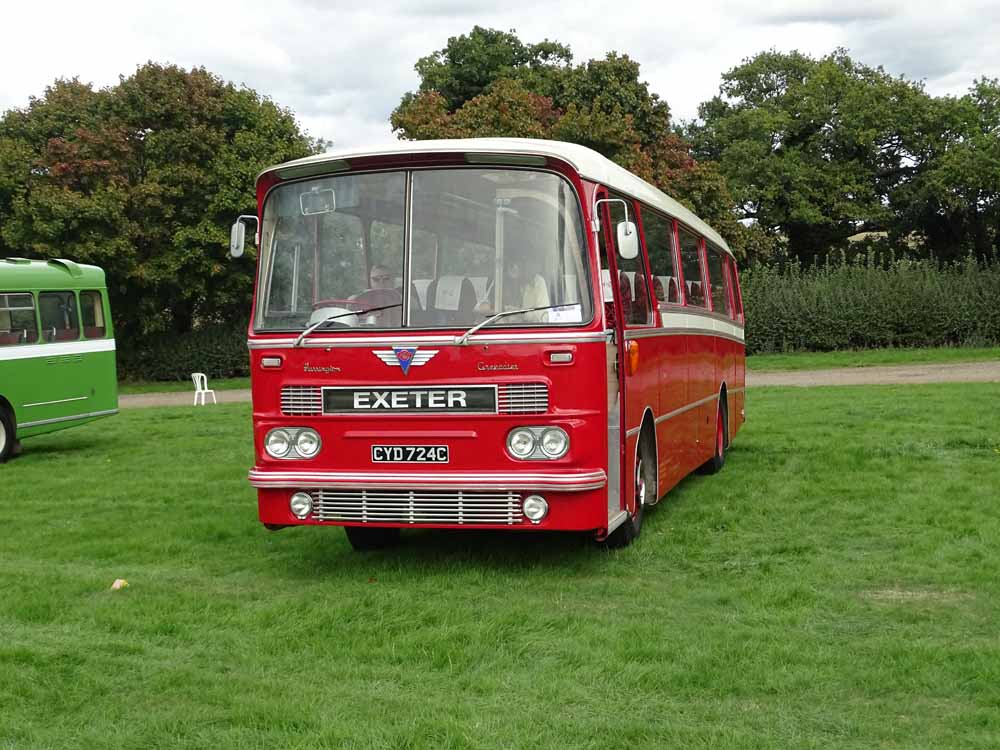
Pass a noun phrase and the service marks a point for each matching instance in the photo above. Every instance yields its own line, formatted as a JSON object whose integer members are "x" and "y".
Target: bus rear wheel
{"x": 364, "y": 538}
{"x": 718, "y": 460}
{"x": 8, "y": 437}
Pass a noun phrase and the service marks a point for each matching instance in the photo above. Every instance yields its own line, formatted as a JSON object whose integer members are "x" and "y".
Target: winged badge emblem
{"x": 405, "y": 356}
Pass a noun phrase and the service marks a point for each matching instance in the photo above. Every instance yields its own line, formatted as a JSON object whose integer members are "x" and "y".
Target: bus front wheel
{"x": 364, "y": 538}
{"x": 7, "y": 435}
{"x": 645, "y": 489}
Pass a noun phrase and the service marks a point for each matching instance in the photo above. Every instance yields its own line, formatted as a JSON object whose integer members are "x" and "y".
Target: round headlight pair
{"x": 282, "y": 442}
{"x": 537, "y": 442}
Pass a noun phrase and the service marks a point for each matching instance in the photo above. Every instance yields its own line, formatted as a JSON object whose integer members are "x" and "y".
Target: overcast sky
{"x": 343, "y": 66}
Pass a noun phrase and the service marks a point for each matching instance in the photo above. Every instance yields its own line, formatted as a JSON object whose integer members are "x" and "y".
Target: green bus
{"x": 57, "y": 349}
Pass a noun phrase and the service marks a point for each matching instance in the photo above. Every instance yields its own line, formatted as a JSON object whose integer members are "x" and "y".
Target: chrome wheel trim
{"x": 3, "y": 437}
{"x": 640, "y": 485}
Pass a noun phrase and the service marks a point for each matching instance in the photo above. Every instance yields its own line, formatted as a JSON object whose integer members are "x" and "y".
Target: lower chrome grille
{"x": 417, "y": 506}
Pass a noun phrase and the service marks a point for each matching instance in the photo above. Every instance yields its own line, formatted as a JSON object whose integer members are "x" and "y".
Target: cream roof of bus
{"x": 587, "y": 162}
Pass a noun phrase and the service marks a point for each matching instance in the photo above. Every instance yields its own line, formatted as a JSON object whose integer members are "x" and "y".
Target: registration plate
{"x": 410, "y": 454}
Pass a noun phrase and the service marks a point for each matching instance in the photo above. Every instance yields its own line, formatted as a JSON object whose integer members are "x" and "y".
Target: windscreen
{"x": 460, "y": 246}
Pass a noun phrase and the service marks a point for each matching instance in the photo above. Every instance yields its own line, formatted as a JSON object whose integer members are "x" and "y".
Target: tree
{"x": 814, "y": 149}
{"x": 489, "y": 83}
{"x": 953, "y": 200}
{"x": 144, "y": 179}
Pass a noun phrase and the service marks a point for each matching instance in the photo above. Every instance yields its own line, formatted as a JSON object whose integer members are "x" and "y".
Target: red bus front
{"x": 428, "y": 348}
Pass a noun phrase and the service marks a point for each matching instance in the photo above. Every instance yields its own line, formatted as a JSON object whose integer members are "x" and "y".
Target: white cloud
{"x": 343, "y": 66}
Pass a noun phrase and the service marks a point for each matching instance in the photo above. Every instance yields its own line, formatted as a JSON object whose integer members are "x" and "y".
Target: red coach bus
{"x": 489, "y": 333}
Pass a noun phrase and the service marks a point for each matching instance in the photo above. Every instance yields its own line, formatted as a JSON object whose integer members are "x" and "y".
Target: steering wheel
{"x": 348, "y": 304}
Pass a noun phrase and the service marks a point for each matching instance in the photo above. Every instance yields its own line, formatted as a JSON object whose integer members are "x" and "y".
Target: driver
{"x": 381, "y": 277}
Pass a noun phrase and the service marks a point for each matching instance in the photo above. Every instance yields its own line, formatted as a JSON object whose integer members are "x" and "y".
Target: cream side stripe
{"x": 58, "y": 349}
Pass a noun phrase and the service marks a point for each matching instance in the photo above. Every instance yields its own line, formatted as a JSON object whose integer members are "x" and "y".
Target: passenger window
{"x": 691, "y": 265}
{"x": 92, "y": 314}
{"x": 734, "y": 285}
{"x": 17, "y": 319}
{"x": 58, "y": 313}
{"x": 717, "y": 281}
{"x": 633, "y": 291}
{"x": 660, "y": 248}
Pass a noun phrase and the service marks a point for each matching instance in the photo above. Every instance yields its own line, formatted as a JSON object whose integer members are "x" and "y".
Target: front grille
{"x": 417, "y": 506}
{"x": 512, "y": 398}
{"x": 301, "y": 400}
{"x": 523, "y": 398}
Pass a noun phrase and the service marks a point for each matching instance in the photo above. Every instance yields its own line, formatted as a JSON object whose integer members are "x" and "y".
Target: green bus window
{"x": 58, "y": 313}
{"x": 17, "y": 319}
{"x": 92, "y": 315}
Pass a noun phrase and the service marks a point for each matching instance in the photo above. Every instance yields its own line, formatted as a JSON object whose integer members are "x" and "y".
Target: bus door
{"x": 632, "y": 316}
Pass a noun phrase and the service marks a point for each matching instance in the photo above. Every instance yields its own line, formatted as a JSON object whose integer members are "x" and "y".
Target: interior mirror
{"x": 237, "y": 238}
{"x": 628, "y": 240}
{"x": 318, "y": 201}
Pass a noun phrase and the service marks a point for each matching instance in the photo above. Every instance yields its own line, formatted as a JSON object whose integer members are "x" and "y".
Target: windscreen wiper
{"x": 464, "y": 338}
{"x": 327, "y": 319}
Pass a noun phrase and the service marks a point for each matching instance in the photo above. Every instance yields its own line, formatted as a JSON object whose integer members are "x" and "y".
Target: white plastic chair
{"x": 201, "y": 388}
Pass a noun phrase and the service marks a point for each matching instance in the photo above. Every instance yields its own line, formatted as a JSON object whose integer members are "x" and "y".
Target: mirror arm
{"x": 595, "y": 223}
{"x": 256, "y": 221}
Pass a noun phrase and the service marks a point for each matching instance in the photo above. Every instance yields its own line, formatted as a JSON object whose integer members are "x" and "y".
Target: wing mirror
{"x": 237, "y": 236}
{"x": 628, "y": 240}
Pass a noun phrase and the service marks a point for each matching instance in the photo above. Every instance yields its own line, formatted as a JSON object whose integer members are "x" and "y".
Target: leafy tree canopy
{"x": 817, "y": 150}
{"x": 489, "y": 83}
{"x": 144, "y": 179}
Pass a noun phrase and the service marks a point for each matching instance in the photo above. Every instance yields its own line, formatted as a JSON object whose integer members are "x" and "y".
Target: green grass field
{"x": 869, "y": 358}
{"x": 836, "y": 586}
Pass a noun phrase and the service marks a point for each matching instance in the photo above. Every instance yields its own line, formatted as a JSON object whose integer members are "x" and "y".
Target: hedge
{"x": 871, "y": 302}
{"x": 217, "y": 351}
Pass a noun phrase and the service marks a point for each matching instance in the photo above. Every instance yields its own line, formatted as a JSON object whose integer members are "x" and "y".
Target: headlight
{"x": 278, "y": 443}
{"x": 554, "y": 442}
{"x": 307, "y": 444}
{"x": 521, "y": 442}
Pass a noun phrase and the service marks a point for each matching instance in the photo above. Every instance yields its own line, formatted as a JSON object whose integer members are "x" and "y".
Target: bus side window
{"x": 691, "y": 266}
{"x": 717, "y": 281}
{"x": 634, "y": 293}
{"x": 734, "y": 287}
{"x": 660, "y": 248}
{"x": 92, "y": 314}
{"x": 17, "y": 319}
{"x": 58, "y": 313}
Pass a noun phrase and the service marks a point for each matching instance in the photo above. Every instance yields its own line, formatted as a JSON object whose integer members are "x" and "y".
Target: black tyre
{"x": 718, "y": 460}
{"x": 645, "y": 488}
{"x": 364, "y": 538}
{"x": 8, "y": 436}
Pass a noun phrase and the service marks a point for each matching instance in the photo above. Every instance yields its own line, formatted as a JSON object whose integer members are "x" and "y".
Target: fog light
{"x": 555, "y": 442}
{"x": 521, "y": 442}
{"x": 307, "y": 443}
{"x": 278, "y": 443}
{"x": 535, "y": 508}
{"x": 301, "y": 504}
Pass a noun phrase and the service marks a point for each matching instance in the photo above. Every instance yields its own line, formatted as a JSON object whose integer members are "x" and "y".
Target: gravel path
{"x": 971, "y": 372}
{"x": 963, "y": 372}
